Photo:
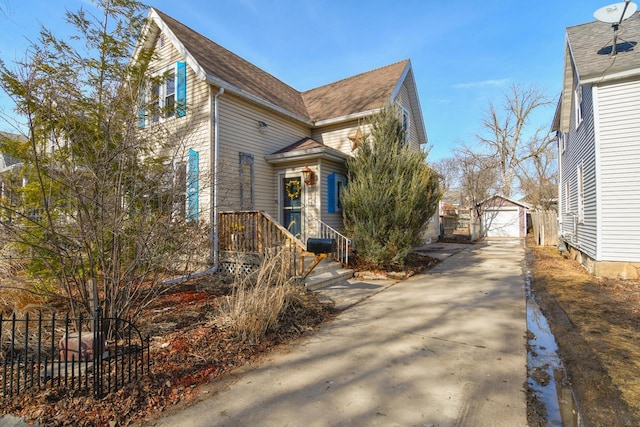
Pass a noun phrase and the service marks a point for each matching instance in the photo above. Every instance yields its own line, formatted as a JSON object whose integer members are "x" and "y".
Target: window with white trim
{"x": 563, "y": 142}
{"x": 406, "y": 123}
{"x": 404, "y": 115}
{"x": 577, "y": 104}
{"x": 166, "y": 95}
{"x": 580, "y": 178}
{"x": 163, "y": 96}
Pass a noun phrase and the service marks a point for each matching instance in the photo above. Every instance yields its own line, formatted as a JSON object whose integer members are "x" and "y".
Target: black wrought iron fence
{"x": 96, "y": 355}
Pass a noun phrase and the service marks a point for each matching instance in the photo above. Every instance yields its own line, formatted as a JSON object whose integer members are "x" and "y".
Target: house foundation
{"x": 608, "y": 269}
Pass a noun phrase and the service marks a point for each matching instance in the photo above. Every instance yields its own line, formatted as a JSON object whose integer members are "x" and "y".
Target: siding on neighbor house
{"x": 618, "y": 128}
{"x": 239, "y": 133}
{"x": 581, "y": 150}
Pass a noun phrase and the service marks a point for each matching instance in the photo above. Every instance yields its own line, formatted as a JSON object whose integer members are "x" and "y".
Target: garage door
{"x": 501, "y": 223}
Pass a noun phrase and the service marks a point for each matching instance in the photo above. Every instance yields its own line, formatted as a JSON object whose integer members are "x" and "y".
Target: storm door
{"x": 291, "y": 204}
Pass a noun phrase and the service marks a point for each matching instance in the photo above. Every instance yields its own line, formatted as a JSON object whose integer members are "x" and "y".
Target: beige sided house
{"x": 280, "y": 153}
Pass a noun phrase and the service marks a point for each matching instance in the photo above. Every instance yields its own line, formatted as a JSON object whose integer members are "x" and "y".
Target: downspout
{"x": 214, "y": 186}
{"x": 213, "y": 237}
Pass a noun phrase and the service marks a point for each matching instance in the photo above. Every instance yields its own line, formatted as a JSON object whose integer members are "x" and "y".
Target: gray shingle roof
{"x": 591, "y": 46}
{"x": 360, "y": 93}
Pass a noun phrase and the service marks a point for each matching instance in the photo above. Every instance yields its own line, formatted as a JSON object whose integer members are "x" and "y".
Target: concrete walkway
{"x": 446, "y": 348}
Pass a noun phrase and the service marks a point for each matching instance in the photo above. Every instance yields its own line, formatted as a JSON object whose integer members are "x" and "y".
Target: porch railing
{"x": 343, "y": 243}
{"x": 256, "y": 233}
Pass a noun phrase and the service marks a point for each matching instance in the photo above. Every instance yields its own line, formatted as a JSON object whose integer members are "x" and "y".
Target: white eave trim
{"x": 416, "y": 109}
{"x": 308, "y": 154}
{"x": 347, "y": 118}
{"x": 609, "y": 77}
{"x": 215, "y": 81}
{"x": 400, "y": 82}
{"x": 164, "y": 28}
{"x": 11, "y": 168}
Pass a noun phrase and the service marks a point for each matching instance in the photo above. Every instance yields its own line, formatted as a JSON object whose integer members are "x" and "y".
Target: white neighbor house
{"x": 598, "y": 127}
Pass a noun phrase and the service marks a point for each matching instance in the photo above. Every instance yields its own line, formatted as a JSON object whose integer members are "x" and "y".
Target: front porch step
{"x": 327, "y": 273}
{"x": 326, "y": 264}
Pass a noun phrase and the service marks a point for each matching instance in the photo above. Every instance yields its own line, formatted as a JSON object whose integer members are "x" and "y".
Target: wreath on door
{"x": 293, "y": 188}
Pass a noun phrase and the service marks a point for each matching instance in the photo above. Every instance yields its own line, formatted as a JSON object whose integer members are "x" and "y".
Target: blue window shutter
{"x": 141, "y": 118}
{"x": 141, "y": 110}
{"x": 181, "y": 89}
{"x": 192, "y": 186}
{"x": 332, "y": 206}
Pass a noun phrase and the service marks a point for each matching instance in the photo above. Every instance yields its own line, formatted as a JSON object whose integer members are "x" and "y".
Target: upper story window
{"x": 580, "y": 179}
{"x": 404, "y": 115}
{"x": 166, "y": 97}
{"x": 577, "y": 105}
{"x": 406, "y": 123}
{"x": 405, "y": 118}
{"x": 562, "y": 137}
{"x": 163, "y": 96}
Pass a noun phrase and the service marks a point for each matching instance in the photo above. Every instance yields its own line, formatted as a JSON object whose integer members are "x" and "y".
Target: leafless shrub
{"x": 258, "y": 299}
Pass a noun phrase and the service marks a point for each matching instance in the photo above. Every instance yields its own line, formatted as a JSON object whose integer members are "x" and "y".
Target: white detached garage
{"x": 503, "y": 217}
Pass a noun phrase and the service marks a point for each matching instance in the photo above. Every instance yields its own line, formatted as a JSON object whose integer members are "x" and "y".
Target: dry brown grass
{"x": 258, "y": 300}
{"x": 597, "y": 325}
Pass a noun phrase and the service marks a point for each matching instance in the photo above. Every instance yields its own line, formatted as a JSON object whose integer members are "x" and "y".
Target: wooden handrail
{"x": 258, "y": 233}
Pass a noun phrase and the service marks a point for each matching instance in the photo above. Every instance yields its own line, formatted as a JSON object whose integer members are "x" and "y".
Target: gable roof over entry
{"x": 306, "y": 149}
{"x": 346, "y": 99}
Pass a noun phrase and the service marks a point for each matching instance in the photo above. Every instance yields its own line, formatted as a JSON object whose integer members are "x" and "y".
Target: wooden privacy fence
{"x": 95, "y": 355}
{"x": 545, "y": 227}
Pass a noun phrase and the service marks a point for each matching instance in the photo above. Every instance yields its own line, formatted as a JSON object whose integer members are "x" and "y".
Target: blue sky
{"x": 464, "y": 54}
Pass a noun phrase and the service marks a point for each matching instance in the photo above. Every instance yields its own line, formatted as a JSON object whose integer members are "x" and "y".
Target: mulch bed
{"x": 187, "y": 350}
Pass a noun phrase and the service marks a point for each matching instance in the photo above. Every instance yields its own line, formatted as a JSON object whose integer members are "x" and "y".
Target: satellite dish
{"x": 616, "y": 13}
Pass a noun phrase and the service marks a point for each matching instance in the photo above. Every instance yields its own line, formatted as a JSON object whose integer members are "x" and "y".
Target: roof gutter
{"x": 216, "y": 151}
{"x": 347, "y": 118}
{"x": 247, "y": 95}
{"x": 610, "y": 77}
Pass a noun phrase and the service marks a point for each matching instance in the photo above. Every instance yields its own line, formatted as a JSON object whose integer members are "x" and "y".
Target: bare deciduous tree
{"x": 537, "y": 178}
{"x": 471, "y": 176}
{"x": 506, "y": 136}
{"x": 479, "y": 177}
{"x": 448, "y": 171}
{"x": 94, "y": 212}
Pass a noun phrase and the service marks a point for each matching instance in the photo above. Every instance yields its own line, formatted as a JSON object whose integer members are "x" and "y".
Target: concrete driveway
{"x": 446, "y": 348}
